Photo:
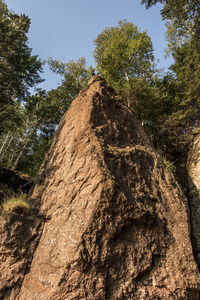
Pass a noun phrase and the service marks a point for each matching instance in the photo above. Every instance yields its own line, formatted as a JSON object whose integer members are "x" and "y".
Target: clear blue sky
{"x": 66, "y": 29}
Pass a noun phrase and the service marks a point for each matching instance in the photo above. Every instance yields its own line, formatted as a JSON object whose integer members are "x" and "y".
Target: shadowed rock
{"x": 19, "y": 234}
{"x": 12, "y": 182}
{"x": 193, "y": 166}
{"x": 117, "y": 224}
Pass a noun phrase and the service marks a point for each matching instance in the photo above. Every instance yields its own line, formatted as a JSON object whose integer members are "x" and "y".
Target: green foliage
{"x": 75, "y": 75}
{"x": 15, "y": 203}
{"x": 183, "y": 30}
{"x": 19, "y": 69}
{"x": 149, "y": 3}
{"x": 123, "y": 52}
{"x": 182, "y": 18}
{"x": 169, "y": 166}
{"x": 187, "y": 70}
{"x": 168, "y": 107}
{"x": 144, "y": 99}
{"x": 24, "y": 146}
{"x": 33, "y": 157}
{"x": 124, "y": 57}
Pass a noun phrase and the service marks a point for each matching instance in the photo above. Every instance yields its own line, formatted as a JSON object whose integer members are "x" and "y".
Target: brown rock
{"x": 18, "y": 238}
{"x": 19, "y": 233}
{"x": 117, "y": 224}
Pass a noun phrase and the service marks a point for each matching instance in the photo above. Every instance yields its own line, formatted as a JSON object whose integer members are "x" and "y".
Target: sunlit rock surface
{"x": 116, "y": 224}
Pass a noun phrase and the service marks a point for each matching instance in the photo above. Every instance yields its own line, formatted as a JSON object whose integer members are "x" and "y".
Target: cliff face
{"x": 116, "y": 224}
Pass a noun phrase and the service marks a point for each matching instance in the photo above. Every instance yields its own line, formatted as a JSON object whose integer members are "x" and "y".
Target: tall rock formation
{"x": 116, "y": 224}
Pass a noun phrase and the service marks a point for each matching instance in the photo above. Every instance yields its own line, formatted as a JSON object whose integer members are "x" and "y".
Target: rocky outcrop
{"x": 193, "y": 167}
{"x": 19, "y": 234}
{"x": 116, "y": 224}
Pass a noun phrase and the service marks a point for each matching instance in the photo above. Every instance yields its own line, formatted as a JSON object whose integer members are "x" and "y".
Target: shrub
{"x": 17, "y": 204}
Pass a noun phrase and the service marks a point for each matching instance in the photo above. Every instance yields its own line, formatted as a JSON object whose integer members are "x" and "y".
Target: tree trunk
{"x": 128, "y": 95}
{"x": 27, "y": 140}
{"x": 126, "y": 75}
{"x": 4, "y": 142}
{"x": 19, "y": 155}
{"x": 7, "y": 146}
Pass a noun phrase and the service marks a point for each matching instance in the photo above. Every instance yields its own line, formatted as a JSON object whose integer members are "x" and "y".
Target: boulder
{"x": 116, "y": 223}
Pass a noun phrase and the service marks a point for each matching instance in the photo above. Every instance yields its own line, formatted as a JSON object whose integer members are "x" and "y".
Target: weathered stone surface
{"x": 19, "y": 234}
{"x": 117, "y": 225}
{"x": 18, "y": 238}
{"x": 193, "y": 167}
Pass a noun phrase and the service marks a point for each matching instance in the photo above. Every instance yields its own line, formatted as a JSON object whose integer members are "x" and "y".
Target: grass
{"x": 169, "y": 166}
{"x": 19, "y": 202}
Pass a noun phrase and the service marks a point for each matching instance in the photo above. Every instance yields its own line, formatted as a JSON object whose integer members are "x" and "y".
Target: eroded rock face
{"x": 19, "y": 235}
{"x": 117, "y": 225}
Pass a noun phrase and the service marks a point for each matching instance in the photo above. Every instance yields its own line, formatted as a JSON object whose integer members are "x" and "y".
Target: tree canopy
{"x": 19, "y": 69}
{"x": 123, "y": 52}
{"x": 24, "y": 146}
{"x": 168, "y": 105}
{"x": 182, "y": 19}
{"x": 75, "y": 75}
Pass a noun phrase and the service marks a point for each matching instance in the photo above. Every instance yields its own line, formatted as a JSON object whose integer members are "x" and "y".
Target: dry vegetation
{"x": 16, "y": 202}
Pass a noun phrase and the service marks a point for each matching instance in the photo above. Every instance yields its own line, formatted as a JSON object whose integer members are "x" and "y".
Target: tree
{"x": 42, "y": 113}
{"x": 185, "y": 13}
{"x": 19, "y": 70}
{"x": 183, "y": 36}
{"x": 149, "y": 3}
{"x": 75, "y": 75}
{"x": 24, "y": 147}
{"x": 122, "y": 53}
{"x": 182, "y": 20}
{"x": 124, "y": 57}
{"x": 178, "y": 127}
{"x": 183, "y": 23}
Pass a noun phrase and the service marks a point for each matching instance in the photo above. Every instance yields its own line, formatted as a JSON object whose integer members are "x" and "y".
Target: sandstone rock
{"x": 18, "y": 238}
{"x": 19, "y": 234}
{"x": 116, "y": 224}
